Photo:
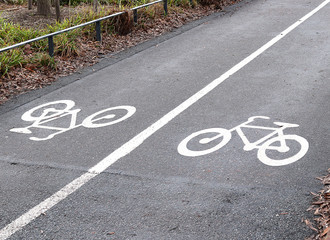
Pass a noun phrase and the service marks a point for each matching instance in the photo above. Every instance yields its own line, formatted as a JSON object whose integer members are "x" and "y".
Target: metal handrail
{"x": 97, "y": 28}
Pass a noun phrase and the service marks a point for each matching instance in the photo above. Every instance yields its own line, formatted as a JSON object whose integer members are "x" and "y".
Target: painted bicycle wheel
{"x": 48, "y": 110}
{"x": 108, "y": 117}
{"x": 203, "y": 142}
{"x": 268, "y": 145}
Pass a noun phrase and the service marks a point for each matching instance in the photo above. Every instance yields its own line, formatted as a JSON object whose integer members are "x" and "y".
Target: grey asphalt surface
{"x": 154, "y": 192}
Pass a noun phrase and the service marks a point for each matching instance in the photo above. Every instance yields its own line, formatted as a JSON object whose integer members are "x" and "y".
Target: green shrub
{"x": 181, "y": 3}
{"x": 44, "y": 60}
{"x": 66, "y": 43}
{"x": 9, "y": 59}
{"x": 11, "y": 33}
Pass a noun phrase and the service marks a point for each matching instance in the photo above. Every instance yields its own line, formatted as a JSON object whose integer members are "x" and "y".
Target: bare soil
{"x": 20, "y": 14}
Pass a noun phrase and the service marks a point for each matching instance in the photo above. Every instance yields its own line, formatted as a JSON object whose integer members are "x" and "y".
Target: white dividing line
{"x": 128, "y": 147}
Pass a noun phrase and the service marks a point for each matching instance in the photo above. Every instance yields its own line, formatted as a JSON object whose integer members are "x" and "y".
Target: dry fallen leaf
{"x": 310, "y": 225}
{"x": 321, "y": 208}
{"x": 325, "y": 231}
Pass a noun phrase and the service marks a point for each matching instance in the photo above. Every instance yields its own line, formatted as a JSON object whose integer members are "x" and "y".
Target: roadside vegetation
{"x": 30, "y": 66}
{"x": 67, "y": 44}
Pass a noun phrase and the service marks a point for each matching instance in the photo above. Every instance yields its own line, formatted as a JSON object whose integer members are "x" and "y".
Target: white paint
{"x": 89, "y": 122}
{"x": 41, "y": 208}
{"x": 263, "y": 144}
{"x": 273, "y": 162}
{"x": 47, "y": 111}
{"x": 125, "y": 149}
{"x": 46, "y": 114}
{"x": 220, "y": 132}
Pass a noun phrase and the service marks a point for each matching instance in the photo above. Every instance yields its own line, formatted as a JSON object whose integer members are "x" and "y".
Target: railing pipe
{"x": 96, "y": 21}
{"x": 146, "y": 5}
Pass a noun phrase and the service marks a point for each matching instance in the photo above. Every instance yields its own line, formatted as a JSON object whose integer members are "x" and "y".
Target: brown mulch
{"x": 9, "y": 7}
{"x": 29, "y": 77}
{"x": 321, "y": 208}
{"x": 21, "y": 15}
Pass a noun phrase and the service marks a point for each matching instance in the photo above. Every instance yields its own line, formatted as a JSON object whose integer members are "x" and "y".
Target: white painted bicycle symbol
{"x": 263, "y": 145}
{"x": 42, "y": 117}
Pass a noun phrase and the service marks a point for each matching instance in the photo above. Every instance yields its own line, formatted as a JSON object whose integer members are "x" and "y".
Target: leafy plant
{"x": 43, "y": 59}
{"x": 10, "y": 59}
{"x": 11, "y": 33}
{"x": 66, "y": 43}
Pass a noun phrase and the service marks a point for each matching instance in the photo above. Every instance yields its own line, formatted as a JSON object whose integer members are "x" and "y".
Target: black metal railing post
{"x": 135, "y": 16}
{"x": 165, "y": 7}
{"x": 51, "y": 46}
{"x": 98, "y": 31}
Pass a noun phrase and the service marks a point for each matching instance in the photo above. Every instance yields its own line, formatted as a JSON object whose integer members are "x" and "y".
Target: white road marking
{"x": 128, "y": 147}
{"x": 263, "y": 144}
{"x": 49, "y": 114}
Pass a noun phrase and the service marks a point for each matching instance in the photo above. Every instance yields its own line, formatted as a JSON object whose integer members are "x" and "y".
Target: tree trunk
{"x": 44, "y": 7}
{"x": 57, "y": 9}
{"x": 29, "y": 4}
{"x": 95, "y": 4}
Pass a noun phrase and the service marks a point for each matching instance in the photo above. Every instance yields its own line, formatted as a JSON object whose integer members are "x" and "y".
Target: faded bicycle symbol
{"x": 42, "y": 117}
{"x": 265, "y": 143}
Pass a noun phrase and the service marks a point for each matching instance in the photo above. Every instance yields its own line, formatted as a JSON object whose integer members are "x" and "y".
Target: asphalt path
{"x": 129, "y": 180}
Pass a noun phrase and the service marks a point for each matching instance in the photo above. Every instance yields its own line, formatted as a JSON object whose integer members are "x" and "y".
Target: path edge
{"x": 110, "y": 59}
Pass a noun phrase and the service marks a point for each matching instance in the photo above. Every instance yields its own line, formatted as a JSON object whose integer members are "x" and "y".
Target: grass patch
{"x": 10, "y": 59}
